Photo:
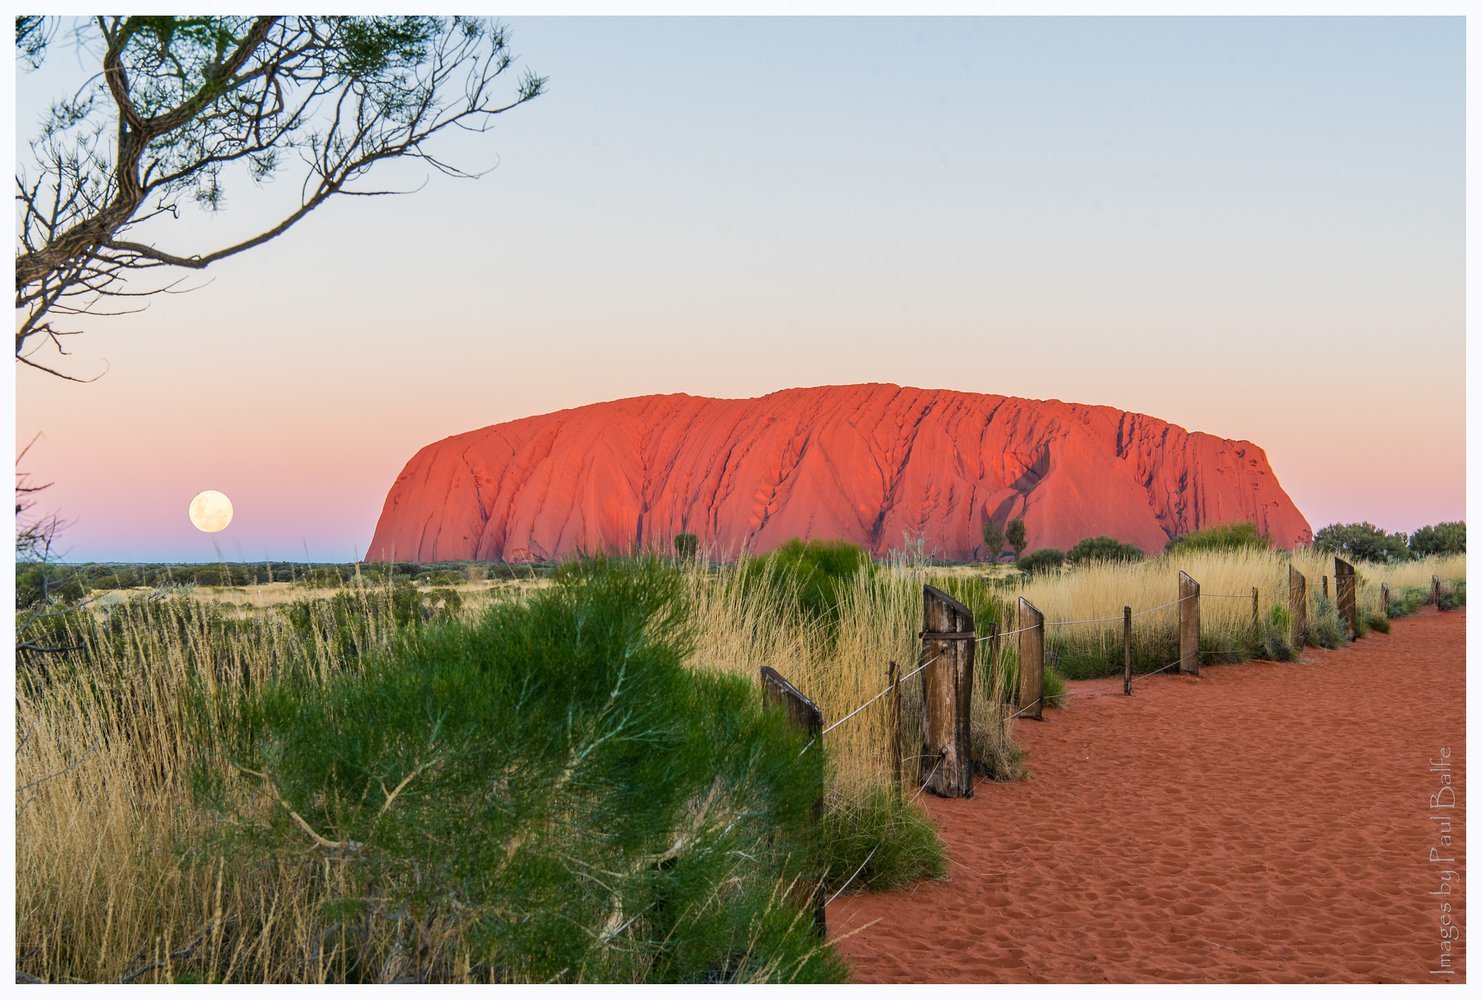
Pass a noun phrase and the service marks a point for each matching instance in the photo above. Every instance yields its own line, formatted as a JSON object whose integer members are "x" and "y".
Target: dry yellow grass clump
{"x": 103, "y": 804}
{"x": 842, "y": 667}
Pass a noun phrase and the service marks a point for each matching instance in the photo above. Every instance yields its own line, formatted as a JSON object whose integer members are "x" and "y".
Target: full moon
{"x": 210, "y": 510}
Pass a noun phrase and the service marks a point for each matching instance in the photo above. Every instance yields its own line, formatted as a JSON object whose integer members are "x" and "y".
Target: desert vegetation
{"x": 386, "y": 779}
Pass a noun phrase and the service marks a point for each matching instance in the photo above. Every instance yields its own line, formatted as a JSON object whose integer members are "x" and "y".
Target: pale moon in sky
{"x": 210, "y": 510}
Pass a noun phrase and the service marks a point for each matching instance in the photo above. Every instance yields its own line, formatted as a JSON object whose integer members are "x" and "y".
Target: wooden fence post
{"x": 1126, "y": 650}
{"x": 1031, "y": 695}
{"x": 1345, "y": 592}
{"x": 1255, "y": 615}
{"x": 1188, "y": 625}
{"x": 1296, "y": 597}
{"x": 1384, "y": 597}
{"x": 805, "y": 715}
{"x": 1325, "y": 585}
{"x": 1436, "y": 591}
{"x": 948, "y": 644}
{"x": 893, "y": 724}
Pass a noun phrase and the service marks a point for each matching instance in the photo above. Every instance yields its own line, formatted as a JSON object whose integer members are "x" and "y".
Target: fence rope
{"x": 1086, "y": 621}
{"x": 861, "y": 708}
{"x": 1160, "y": 607}
{"x": 1005, "y": 635}
{"x": 932, "y": 774}
{"x": 851, "y": 878}
{"x": 1023, "y": 710}
{"x": 877, "y": 697}
{"x": 1160, "y": 669}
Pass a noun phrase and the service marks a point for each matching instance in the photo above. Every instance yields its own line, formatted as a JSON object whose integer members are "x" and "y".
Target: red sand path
{"x": 1263, "y": 823}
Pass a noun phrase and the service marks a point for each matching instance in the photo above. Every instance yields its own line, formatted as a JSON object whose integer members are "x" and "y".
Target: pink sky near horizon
{"x": 1242, "y": 228}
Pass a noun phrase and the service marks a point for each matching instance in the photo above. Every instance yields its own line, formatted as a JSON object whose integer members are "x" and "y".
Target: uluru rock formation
{"x": 873, "y": 464}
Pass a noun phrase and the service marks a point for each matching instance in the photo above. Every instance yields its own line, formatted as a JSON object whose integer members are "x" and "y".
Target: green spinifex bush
{"x": 1403, "y": 601}
{"x": 1325, "y": 627}
{"x": 877, "y": 842}
{"x": 1103, "y": 548}
{"x": 1040, "y": 561}
{"x": 1453, "y": 595}
{"x": 547, "y": 794}
{"x": 809, "y": 575}
{"x": 1221, "y": 537}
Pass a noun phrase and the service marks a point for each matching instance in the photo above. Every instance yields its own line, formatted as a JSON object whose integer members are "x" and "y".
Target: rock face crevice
{"x": 872, "y": 464}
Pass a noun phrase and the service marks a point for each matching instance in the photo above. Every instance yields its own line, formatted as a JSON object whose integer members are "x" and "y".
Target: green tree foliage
{"x": 686, "y": 546}
{"x": 1040, "y": 561}
{"x": 550, "y": 791}
{"x": 1221, "y": 537}
{"x": 1443, "y": 539}
{"x": 809, "y": 575}
{"x": 1103, "y": 548}
{"x": 1015, "y": 535}
{"x": 993, "y": 539}
{"x": 1362, "y": 541}
{"x": 178, "y": 109}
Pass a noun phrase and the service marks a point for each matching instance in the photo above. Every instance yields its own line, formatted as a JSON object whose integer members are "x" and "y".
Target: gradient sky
{"x": 1249, "y": 227}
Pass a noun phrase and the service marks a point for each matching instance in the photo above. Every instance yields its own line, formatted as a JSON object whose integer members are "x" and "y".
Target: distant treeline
{"x": 78, "y": 578}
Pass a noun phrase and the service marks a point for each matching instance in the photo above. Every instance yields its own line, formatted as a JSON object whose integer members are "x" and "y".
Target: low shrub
{"x": 1325, "y": 627}
{"x": 686, "y": 545}
{"x": 808, "y": 575}
{"x": 1404, "y": 601}
{"x": 1055, "y": 693}
{"x": 1274, "y": 641}
{"x": 1040, "y": 561}
{"x": 1453, "y": 595}
{"x": 1221, "y": 537}
{"x": 880, "y": 841}
{"x": 1102, "y": 548}
{"x": 1376, "y": 621}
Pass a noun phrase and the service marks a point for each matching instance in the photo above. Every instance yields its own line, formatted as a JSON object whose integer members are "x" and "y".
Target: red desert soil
{"x": 1263, "y": 823}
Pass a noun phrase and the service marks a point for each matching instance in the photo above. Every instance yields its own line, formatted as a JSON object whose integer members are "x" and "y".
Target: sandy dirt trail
{"x": 1263, "y": 823}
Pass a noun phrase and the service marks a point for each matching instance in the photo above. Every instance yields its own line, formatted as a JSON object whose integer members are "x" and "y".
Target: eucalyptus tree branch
{"x": 190, "y": 102}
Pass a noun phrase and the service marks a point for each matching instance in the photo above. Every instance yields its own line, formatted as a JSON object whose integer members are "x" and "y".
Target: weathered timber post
{"x": 1345, "y": 592}
{"x": 1436, "y": 591}
{"x": 948, "y": 644}
{"x": 1188, "y": 625}
{"x": 1325, "y": 585}
{"x": 1255, "y": 615}
{"x": 893, "y": 724}
{"x": 805, "y": 715}
{"x": 1031, "y": 695}
{"x": 1296, "y": 599}
{"x": 1126, "y": 650}
{"x": 1384, "y": 597}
